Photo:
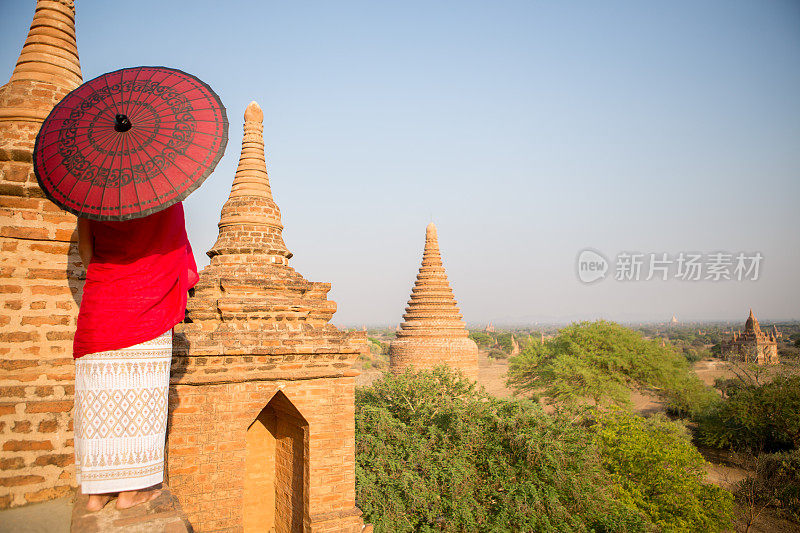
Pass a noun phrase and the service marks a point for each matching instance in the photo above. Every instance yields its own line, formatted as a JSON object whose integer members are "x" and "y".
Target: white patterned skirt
{"x": 121, "y": 416}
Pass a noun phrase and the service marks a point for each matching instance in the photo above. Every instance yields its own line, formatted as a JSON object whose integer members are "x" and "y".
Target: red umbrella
{"x": 130, "y": 143}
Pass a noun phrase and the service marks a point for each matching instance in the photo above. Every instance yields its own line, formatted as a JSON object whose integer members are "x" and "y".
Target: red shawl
{"x": 136, "y": 282}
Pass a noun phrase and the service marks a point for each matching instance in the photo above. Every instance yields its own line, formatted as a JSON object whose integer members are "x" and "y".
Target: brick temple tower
{"x": 751, "y": 346}
{"x": 40, "y": 273}
{"x": 432, "y": 332}
{"x": 261, "y": 433}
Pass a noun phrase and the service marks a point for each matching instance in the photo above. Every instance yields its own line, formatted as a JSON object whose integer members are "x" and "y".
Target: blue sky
{"x": 527, "y": 131}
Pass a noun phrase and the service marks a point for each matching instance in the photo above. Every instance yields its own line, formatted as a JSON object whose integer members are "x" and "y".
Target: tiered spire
{"x": 249, "y": 287}
{"x": 48, "y": 66}
{"x": 251, "y": 220}
{"x": 432, "y": 332}
{"x": 50, "y": 53}
{"x": 432, "y": 309}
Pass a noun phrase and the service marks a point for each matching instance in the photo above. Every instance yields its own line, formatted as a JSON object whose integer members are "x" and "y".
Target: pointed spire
{"x": 431, "y": 235}
{"x": 251, "y": 175}
{"x": 751, "y": 326}
{"x": 47, "y": 68}
{"x": 432, "y": 331}
{"x": 432, "y": 305}
{"x": 50, "y": 53}
{"x": 251, "y": 220}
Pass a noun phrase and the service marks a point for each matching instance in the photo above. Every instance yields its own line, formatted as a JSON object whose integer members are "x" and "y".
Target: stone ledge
{"x": 162, "y": 515}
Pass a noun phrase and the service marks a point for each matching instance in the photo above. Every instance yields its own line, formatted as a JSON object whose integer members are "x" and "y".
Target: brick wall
{"x": 208, "y": 449}
{"x": 40, "y": 283}
{"x": 40, "y": 273}
{"x": 424, "y": 353}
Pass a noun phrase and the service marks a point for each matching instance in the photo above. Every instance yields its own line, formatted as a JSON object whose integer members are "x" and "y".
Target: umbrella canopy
{"x": 130, "y": 143}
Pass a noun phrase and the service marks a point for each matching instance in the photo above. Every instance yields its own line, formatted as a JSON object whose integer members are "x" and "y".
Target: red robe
{"x": 136, "y": 283}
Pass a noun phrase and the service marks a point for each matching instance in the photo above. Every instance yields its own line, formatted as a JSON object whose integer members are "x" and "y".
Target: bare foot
{"x": 131, "y": 498}
{"x": 97, "y": 502}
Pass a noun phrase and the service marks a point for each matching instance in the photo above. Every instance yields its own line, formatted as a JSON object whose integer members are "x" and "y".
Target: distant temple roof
{"x": 751, "y": 326}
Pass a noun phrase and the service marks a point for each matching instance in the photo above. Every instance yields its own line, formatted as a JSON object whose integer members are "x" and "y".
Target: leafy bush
{"x": 496, "y": 353}
{"x": 762, "y": 417}
{"x": 658, "y": 471}
{"x": 377, "y": 347}
{"x": 779, "y": 480}
{"x": 436, "y": 454}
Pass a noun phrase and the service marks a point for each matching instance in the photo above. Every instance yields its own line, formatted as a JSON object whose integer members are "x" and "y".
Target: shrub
{"x": 763, "y": 417}
{"x": 658, "y": 471}
{"x": 436, "y": 454}
{"x": 780, "y": 480}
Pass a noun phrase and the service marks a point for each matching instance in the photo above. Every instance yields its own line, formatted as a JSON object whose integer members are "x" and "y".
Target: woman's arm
{"x": 85, "y": 242}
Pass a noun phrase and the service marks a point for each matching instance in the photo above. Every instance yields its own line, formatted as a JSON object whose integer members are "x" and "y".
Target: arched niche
{"x": 275, "y": 464}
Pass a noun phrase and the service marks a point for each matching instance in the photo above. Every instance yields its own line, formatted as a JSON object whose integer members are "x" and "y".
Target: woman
{"x": 138, "y": 273}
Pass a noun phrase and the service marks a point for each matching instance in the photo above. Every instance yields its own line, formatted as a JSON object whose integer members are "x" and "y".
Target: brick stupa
{"x": 40, "y": 274}
{"x": 261, "y": 435}
{"x": 432, "y": 331}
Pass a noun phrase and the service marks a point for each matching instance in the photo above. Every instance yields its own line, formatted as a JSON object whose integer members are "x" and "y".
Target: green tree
{"x": 658, "y": 471}
{"x": 601, "y": 362}
{"x": 483, "y": 340}
{"x": 563, "y": 376}
{"x": 504, "y": 342}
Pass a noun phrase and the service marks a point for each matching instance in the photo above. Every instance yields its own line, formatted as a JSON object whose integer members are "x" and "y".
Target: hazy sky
{"x": 527, "y": 131}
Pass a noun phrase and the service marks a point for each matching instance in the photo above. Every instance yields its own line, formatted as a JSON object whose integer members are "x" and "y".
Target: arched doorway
{"x": 274, "y": 487}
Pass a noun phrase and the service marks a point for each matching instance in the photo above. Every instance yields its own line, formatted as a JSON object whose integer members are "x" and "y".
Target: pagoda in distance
{"x": 432, "y": 332}
{"x": 751, "y": 346}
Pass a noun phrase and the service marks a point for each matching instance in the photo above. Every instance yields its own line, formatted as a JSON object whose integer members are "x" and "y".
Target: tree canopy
{"x": 601, "y": 362}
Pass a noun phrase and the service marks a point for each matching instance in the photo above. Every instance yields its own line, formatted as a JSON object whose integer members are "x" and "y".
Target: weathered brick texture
{"x": 40, "y": 274}
{"x": 432, "y": 332}
{"x": 261, "y": 430}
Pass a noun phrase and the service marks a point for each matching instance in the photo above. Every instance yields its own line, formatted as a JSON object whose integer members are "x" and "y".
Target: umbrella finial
{"x": 122, "y": 123}
{"x": 251, "y": 175}
{"x": 430, "y": 233}
{"x": 253, "y": 113}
